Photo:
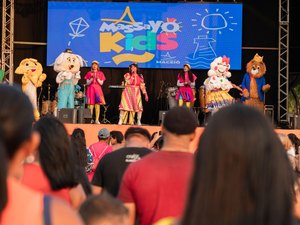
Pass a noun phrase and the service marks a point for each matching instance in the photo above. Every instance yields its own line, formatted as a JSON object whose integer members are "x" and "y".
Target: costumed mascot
{"x": 68, "y": 66}
{"x": 217, "y": 85}
{"x": 254, "y": 84}
{"x": 33, "y": 78}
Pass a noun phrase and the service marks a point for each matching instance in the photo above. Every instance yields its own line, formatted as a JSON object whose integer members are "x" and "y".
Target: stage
{"x": 91, "y": 131}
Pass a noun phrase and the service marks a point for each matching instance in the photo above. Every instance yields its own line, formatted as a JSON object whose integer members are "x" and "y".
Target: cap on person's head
{"x": 95, "y": 62}
{"x": 188, "y": 65}
{"x": 103, "y": 133}
{"x": 180, "y": 120}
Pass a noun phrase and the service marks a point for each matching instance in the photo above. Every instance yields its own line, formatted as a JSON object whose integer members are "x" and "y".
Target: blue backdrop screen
{"x": 154, "y": 35}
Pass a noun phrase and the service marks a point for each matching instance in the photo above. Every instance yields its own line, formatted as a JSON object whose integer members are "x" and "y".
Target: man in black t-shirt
{"x": 112, "y": 166}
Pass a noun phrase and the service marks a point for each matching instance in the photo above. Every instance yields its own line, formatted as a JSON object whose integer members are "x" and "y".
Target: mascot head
{"x": 220, "y": 65}
{"x": 29, "y": 65}
{"x": 256, "y": 67}
{"x": 67, "y": 61}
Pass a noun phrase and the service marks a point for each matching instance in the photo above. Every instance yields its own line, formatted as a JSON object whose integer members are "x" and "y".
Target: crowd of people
{"x": 242, "y": 172}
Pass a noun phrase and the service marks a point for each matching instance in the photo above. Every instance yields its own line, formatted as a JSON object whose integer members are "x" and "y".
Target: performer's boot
{"x": 188, "y": 104}
{"x": 91, "y": 107}
{"x": 180, "y": 102}
{"x": 131, "y": 118}
{"x": 36, "y": 114}
{"x": 122, "y": 117}
{"x": 139, "y": 117}
{"x": 97, "y": 112}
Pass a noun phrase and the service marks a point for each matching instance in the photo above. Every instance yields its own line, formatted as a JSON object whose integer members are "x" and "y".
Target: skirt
{"x": 131, "y": 99}
{"x": 218, "y": 99}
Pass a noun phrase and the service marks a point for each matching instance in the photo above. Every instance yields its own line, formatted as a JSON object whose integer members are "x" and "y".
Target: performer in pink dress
{"x": 94, "y": 94}
{"x": 186, "y": 84}
{"x": 131, "y": 99}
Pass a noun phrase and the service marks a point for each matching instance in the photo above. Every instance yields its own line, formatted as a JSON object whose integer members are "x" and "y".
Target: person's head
{"x": 3, "y": 174}
{"x": 133, "y": 68}
{"x": 16, "y": 119}
{"x": 79, "y": 146}
{"x": 104, "y": 209}
{"x": 158, "y": 143}
{"x": 242, "y": 173}
{"x": 95, "y": 66}
{"x": 116, "y": 137}
{"x": 295, "y": 141}
{"x": 186, "y": 67}
{"x": 55, "y": 153}
{"x": 104, "y": 135}
{"x": 137, "y": 137}
{"x": 286, "y": 142}
{"x": 179, "y": 126}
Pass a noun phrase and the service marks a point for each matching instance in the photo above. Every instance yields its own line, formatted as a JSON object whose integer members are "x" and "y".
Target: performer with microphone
{"x": 131, "y": 99}
{"x": 94, "y": 94}
{"x": 186, "y": 84}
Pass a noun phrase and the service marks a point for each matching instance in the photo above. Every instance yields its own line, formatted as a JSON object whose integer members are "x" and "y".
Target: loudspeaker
{"x": 295, "y": 122}
{"x": 84, "y": 115}
{"x": 161, "y": 116}
{"x": 67, "y": 115}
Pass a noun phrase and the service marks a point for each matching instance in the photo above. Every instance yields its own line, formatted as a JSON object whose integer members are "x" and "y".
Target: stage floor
{"x": 91, "y": 131}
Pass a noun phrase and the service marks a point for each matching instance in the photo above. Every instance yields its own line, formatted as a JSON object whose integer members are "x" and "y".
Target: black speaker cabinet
{"x": 84, "y": 115}
{"x": 67, "y": 115}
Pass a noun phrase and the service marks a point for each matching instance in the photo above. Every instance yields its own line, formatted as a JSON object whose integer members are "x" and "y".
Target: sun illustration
{"x": 214, "y": 21}
{"x": 171, "y": 26}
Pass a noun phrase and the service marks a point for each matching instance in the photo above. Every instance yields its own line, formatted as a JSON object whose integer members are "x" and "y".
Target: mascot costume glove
{"x": 33, "y": 77}
{"x": 254, "y": 85}
{"x": 68, "y": 66}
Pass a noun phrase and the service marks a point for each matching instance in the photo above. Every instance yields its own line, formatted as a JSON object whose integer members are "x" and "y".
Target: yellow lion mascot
{"x": 33, "y": 78}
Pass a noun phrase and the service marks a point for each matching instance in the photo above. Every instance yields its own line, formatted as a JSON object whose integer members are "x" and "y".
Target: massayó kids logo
{"x": 160, "y": 35}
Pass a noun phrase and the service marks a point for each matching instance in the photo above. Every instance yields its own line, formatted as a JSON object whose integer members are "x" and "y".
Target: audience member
{"x": 103, "y": 210}
{"x": 295, "y": 141}
{"x": 53, "y": 171}
{"x": 3, "y": 174}
{"x": 25, "y": 206}
{"x": 289, "y": 148}
{"x": 81, "y": 159}
{"x": 242, "y": 175}
{"x": 156, "y": 186}
{"x": 116, "y": 139}
{"x": 112, "y": 166}
{"x": 100, "y": 149}
{"x": 158, "y": 144}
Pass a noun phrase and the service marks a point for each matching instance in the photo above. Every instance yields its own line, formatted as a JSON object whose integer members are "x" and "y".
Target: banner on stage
{"x": 154, "y": 35}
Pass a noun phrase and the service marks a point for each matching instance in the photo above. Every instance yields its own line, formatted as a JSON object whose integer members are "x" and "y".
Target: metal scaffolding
{"x": 7, "y": 43}
{"x": 283, "y": 61}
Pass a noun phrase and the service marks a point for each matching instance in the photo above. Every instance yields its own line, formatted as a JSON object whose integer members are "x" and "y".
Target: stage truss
{"x": 7, "y": 43}
{"x": 283, "y": 51}
{"x": 283, "y": 61}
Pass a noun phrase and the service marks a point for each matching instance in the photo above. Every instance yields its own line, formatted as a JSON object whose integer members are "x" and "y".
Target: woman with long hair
{"x": 242, "y": 175}
{"x": 186, "y": 84}
{"x": 131, "y": 99}
{"x": 83, "y": 159}
{"x": 24, "y": 206}
{"x": 54, "y": 170}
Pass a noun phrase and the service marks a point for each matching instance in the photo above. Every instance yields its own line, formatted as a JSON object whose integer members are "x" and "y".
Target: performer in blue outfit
{"x": 68, "y": 66}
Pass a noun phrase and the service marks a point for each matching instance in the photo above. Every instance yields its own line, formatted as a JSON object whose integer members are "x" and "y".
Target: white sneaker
{"x": 97, "y": 122}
